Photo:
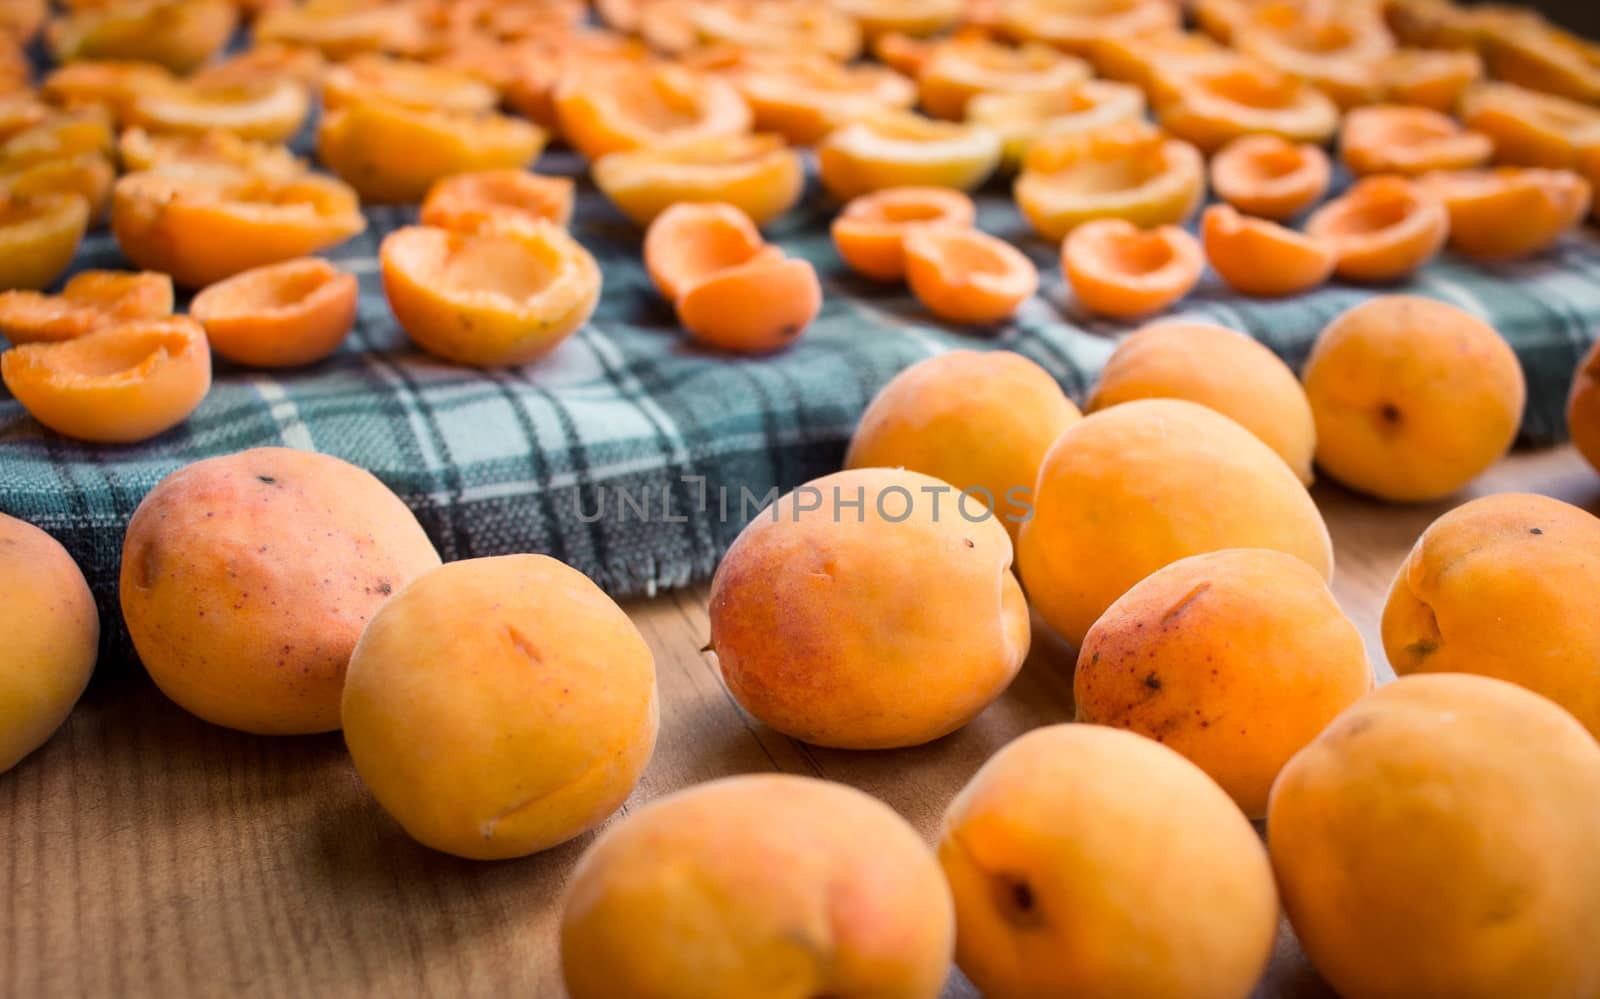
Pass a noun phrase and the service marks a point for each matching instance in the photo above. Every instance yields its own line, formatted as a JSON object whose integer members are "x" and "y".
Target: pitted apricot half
{"x": 619, "y": 106}
{"x": 264, "y": 63}
{"x": 1075, "y": 25}
{"x": 755, "y": 307}
{"x": 121, "y": 384}
{"x": 1381, "y": 229}
{"x": 1542, "y": 57}
{"x": 776, "y": 25}
{"x": 206, "y": 153}
{"x": 805, "y": 95}
{"x": 917, "y": 18}
{"x": 23, "y": 110}
{"x": 70, "y": 134}
{"x": 1129, "y": 171}
{"x": 503, "y": 295}
{"x": 901, "y": 52}
{"x": 278, "y": 316}
{"x": 269, "y": 110}
{"x": 1117, "y": 269}
{"x": 22, "y": 19}
{"x": 89, "y": 301}
{"x": 1339, "y": 49}
{"x": 1588, "y": 167}
{"x": 758, "y": 173}
{"x": 1212, "y": 107}
{"x": 1138, "y": 59}
{"x": 401, "y": 81}
{"x": 528, "y": 73}
{"x": 391, "y": 153}
{"x": 1431, "y": 78}
{"x": 88, "y": 175}
{"x": 106, "y": 83}
{"x": 958, "y": 70}
{"x": 1261, "y": 258}
{"x": 176, "y": 34}
{"x": 690, "y": 241}
{"x": 901, "y": 149}
{"x": 1392, "y": 138}
{"x": 1270, "y": 176}
{"x": 470, "y": 201}
{"x": 340, "y": 29}
{"x": 870, "y": 233}
{"x": 38, "y": 237}
{"x": 201, "y": 229}
{"x": 1529, "y": 128}
{"x": 1022, "y": 119}
{"x": 964, "y": 275}
{"x": 1510, "y": 211}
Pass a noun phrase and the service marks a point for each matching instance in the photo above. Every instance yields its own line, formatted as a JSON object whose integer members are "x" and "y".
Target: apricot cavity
{"x": 902, "y": 149}
{"x": 1126, "y": 171}
{"x": 278, "y": 316}
{"x": 1117, "y": 269}
{"x": 1382, "y": 229}
{"x": 1211, "y": 107}
{"x": 623, "y": 106}
{"x": 472, "y": 200}
{"x": 1270, "y": 176}
{"x": 1021, "y": 119}
{"x": 1388, "y": 138}
{"x": 964, "y": 275}
{"x": 758, "y": 173}
{"x": 89, "y": 301}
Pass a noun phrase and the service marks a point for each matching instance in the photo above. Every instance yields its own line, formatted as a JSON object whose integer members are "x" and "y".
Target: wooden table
{"x": 148, "y": 853}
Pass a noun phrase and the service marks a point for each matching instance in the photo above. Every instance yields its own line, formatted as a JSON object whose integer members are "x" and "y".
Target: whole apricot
{"x": 247, "y": 578}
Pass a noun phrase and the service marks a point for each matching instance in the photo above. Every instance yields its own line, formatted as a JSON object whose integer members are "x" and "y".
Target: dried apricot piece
{"x": 1021, "y": 119}
{"x": 620, "y": 106}
{"x": 1075, "y": 25}
{"x": 267, "y": 110}
{"x": 1382, "y": 228}
{"x": 1261, "y": 258}
{"x": 960, "y": 69}
{"x": 918, "y": 18}
{"x": 392, "y": 153}
{"x": 1270, "y": 176}
{"x": 755, "y": 307}
{"x": 1129, "y": 171}
{"x": 407, "y": 83}
{"x": 472, "y": 200}
{"x": 758, "y": 173}
{"x": 1338, "y": 49}
{"x": 1117, "y": 269}
{"x": 689, "y": 242}
{"x": 805, "y": 95}
{"x": 1212, "y": 107}
{"x": 503, "y": 295}
{"x": 1430, "y": 78}
{"x": 1510, "y": 211}
{"x": 1529, "y": 128}
{"x": 1392, "y": 138}
{"x": 870, "y": 232}
{"x": 38, "y": 237}
{"x": 899, "y": 149}
{"x": 206, "y": 153}
{"x": 279, "y": 316}
{"x": 965, "y": 275}
{"x": 89, "y": 301}
{"x": 201, "y": 229}
{"x": 176, "y": 34}
{"x": 118, "y": 385}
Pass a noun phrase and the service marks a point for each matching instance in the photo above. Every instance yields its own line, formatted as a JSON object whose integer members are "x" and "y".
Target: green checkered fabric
{"x": 537, "y": 458}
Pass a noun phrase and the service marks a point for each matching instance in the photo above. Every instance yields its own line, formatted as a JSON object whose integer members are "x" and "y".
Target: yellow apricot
{"x": 39, "y": 236}
{"x": 266, "y": 61}
{"x": 805, "y": 95}
{"x": 1431, "y": 78}
{"x": 87, "y": 175}
{"x": 340, "y": 29}
{"x": 175, "y": 34}
{"x": 902, "y": 149}
{"x": 1075, "y": 25}
{"x": 266, "y": 110}
{"x": 964, "y": 275}
{"x": 1211, "y": 107}
{"x": 214, "y": 152}
{"x": 958, "y": 70}
{"x": 758, "y": 173}
{"x": 618, "y": 106}
{"x": 104, "y": 83}
{"x": 89, "y": 301}
{"x": 1509, "y": 211}
{"x": 72, "y": 133}
{"x": 1529, "y": 128}
{"x": 1140, "y": 59}
{"x": 870, "y": 232}
{"x": 918, "y": 18}
{"x": 1124, "y": 171}
{"x": 472, "y": 200}
{"x": 1022, "y": 119}
{"x": 1543, "y": 57}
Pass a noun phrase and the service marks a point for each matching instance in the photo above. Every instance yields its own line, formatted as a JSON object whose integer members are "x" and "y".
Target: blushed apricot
{"x": 805, "y": 95}
{"x": 802, "y": 604}
{"x": 471, "y": 200}
{"x": 902, "y": 149}
{"x": 201, "y": 229}
{"x": 621, "y": 106}
{"x": 120, "y": 384}
{"x": 1583, "y": 407}
{"x": 1431, "y": 78}
{"x": 1543, "y": 57}
{"x": 1389, "y": 138}
{"x": 1339, "y": 49}
{"x": 89, "y": 301}
{"x": 176, "y": 35}
{"x": 1236, "y": 659}
{"x": 503, "y": 295}
{"x": 1126, "y": 171}
{"x": 106, "y": 83}
{"x": 1270, "y": 176}
{"x": 410, "y": 84}
{"x": 1258, "y": 257}
{"x": 1075, "y": 25}
{"x": 1021, "y": 119}
{"x": 38, "y": 237}
{"x": 917, "y": 18}
{"x": 268, "y": 110}
{"x": 1211, "y": 107}
{"x": 755, "y": 307}
{"x": 214, "y": 152}
{"x": 964, "y": 275}
{"x": 689, "y": 242}
{"x": 1382, "y": 229}
{"x": 278, "y": 316}
{"x": 1529, "y": 128}
{"x": 1140, "y": 59}
{"x": 958, "y": 70}
{"x": 1137, "y": 486}
{"x": 1413, "y": 397}
{"x": 1509, "y": 211}
{"x": 870, "y": 232}
{"x": 1117, "y": 269}
{"x": 758, "y": 173}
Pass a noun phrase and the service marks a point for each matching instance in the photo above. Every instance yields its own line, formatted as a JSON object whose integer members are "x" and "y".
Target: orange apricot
{"x": 1117, "y": 269}
{"x": 691, "y": 241}
{"x": 1391, "y": 138}
{"x": 916, "y": 18}
{"x": 529, "y": 73}
{"x": 1583, "y": 407}
{"x": 203, "y": 229}
{"x": 87, "y": 175}
{"x": 621, "y": 106}
{"x": 870, "y": 232}
{"x": 1542, "y": 57}
{"x": 23, "y": 110}
{"x": 1075, "y": 25}
{"x": 271, "y": 61}
{"x": 340, "y": 29}
{"x": 1340, "y": 50}
{"x": 1140, "y": 59}
{"x": 118, "y": 385}
{"x": 278, "y": 316}
{"x": 1212, "y": 107}
{"x": 775, "y": 25}
{"x": 471, "y": 200}
{"x": 38, "y": 237}
{"x": 902, "y": 149}
{"x": 964, "y": 275}
{"x": 805, "y": 95}
{"x": 268, "y": 110}
{"x": 89, "y": 301}
{"x": 1382, "y": 229}
{"x": 958, "y": 70}
{"x": 1529, "y": 128}
{"x": 1509, "y": 211}
{"x": 755, "y": 307}
{"x": 1021, "y": 119}
{"x": 1128, "y": 171}
{"x": 400, "y": 81}
{"x": 1270, "y": 176}
{"x": 760, "y": 174}
{"x": 206, "y": 152}
{"x": 70, "y": 134}
{"x": 107, "y": 83}
{"x": 1259, "y": 257}
{"x": 1431, "y": 78}
{"x": 22, "y": 19}
{"x": 901, "y": 52}
{"x": 504, "y": 295}
{"x": 176, "y": 34}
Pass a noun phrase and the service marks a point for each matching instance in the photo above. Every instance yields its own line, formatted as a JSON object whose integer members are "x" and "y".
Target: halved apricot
{"x": 265, "y": 63}
{"x": 22, "y": 19}
{"x": 621, "y": 106}
{"x": 38, "y": 237}
{"x": 918, "y": 18}
{"x": 118, "y": 385}
{"x": 1117, "y": 269}
{"x": 1382, "y": 229}
{"x": 279, "y": 316}
{"x": 392, "y": 153}
{"x": 958, "y": 70}
{"x": 901, "y": 149}
{"x": 69, "y": 134}
{"x": 1393, "y": 138}
{"x": 176, "y": 34}
{"x": 1339, "y": 49}
{"x": 964, "y": 275}
{"x": 401, "y": 81}
{"x": 1075, "y": 25}
{"x": 1138, "y": 59}
{"x": 201, "y": 229}
{"x": 1510, "y": 211}
{"x": 89, "y": 301}
{"x": 1212, "y": 107}
{"x": 1270, "y": 176}
{"x": 528, "y": 73}
{"x": 340, "y": 29}
{"x": 690, "y": 241}
{"x": 469, "y": 201}
{"x": 1129, "y": 171}
{"x": 1542, "y": 57}
{"x": 1529, "y": 128}
{"x": 1588, "y": 167}
{"x": 88, "y": 175}
{"x": 1021, "y": 119}
{"x": 901, "y": 52}
{"x": 22, "y": 110}
{"x": 503, "y": 295}
{"x": 870, "y": 233}
{"x": 1261, "y": 258}
{"x": 206, "y": 152}
{"x": 1430, "y": 78}
{"x": 758, "y": 173}
{"x": 269, "y": 110}
{"x": 758, "y": 306}
{"x": 106, "y": 83}
{"x": 805, "y": 95}
{"x": 777, "y": 25}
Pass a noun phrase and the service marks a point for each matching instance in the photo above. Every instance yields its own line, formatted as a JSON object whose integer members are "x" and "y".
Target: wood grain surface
{"x": 150, "y": 854}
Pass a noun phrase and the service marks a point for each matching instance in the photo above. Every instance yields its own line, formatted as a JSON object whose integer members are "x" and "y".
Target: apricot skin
{"x": 247, "y": 578}
{"x": 537, "y": 693}
{"x": 53, "y": 637}
{"x": 1444, "y": 815}
{"x": 1052, "y": 841}
{"x": 755, "y": 886}
{"x": 755, "y": 307}
{"x": 851, "y": 630}
{"x": 1135, "y": 487}
{"x": 279, "y": 316}
{"x": 1583, "y": 407}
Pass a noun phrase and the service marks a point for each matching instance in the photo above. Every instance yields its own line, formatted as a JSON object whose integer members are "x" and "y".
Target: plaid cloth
{"x": 537, "y": 458}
